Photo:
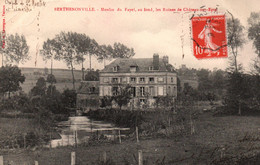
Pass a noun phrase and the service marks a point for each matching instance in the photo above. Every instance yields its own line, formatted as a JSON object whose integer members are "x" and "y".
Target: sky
{"x": 147, "y": 32}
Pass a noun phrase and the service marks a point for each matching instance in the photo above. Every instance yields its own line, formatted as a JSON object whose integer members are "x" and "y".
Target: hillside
{"x": 63, "y": 77}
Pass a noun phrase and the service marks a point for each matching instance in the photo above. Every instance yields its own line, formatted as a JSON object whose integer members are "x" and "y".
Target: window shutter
{"x": 155, "y": 91}
{"x": 146, "y": 90}
{"x": 137, "y": 91}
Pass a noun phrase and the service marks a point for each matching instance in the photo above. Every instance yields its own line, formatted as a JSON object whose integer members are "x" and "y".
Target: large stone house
{"x": 148, "y": 78}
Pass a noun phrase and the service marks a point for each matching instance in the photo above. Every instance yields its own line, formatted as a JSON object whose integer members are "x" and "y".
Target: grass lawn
{"x": 214, "y": 137}
{"x": 12, "y": 126}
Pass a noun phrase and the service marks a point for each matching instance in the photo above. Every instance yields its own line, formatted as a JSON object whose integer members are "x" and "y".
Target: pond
{"x": 78, "y": 129}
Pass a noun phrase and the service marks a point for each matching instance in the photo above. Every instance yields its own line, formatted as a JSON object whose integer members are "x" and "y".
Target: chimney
{"x": 155, "y": 61}
{"x": 166, "y": 59}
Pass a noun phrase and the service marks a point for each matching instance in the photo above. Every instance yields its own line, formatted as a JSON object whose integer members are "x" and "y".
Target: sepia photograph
{"x": 113, "y": 82}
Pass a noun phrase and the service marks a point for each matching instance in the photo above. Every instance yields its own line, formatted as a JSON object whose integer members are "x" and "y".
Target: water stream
{"x": 78, "y": 129}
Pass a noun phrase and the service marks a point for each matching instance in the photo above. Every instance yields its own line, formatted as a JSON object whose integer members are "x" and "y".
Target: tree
{"x": 10, "y": 79}
{"x": 50, "y": 50}
{"x": 40, "y": 88}
{"x": 205, "y": 83}
{"x": 83, "y": 48}
{"x": 53, "y": 100}
{"x": 92, "y": 75}
{"x": 122, "y": 51}
{"x": 104, "y": 52}
{"x": 219, "y": 81}
{"x": 236, "y": 40}
{"x": 69, "y": 98}
{"x": 122, "y": 95}
{"x": 165, "y": 101}
{"x": 106, "y": 101}
{"x": 178, "y": 88}
{"x": 235, "y": 79}
{"x": 17, "y": 49}
{"x": 92, "y": 50}
{"x": 254, "y": 35}
{"x": 51, "y": 79}
{"x": 2, "y": 45}
{"x": 68, "y": 50}
{"x": 237, "y": 91}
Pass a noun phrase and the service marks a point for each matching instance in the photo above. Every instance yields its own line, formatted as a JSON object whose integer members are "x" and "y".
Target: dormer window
{"x": 133, "y": 68}
{"x": 115, "y": 68}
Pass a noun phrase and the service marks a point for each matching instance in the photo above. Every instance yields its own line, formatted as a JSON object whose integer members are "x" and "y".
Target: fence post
{"x": 137, "y": 136}
{"x": 1, "y": 160}
{"x": 68, "y": 139}
{"x": 36, "y": 163}
{"x": 24, "y": 140}
{"x": 114, "y": 134}
{"x": 75, "y": 138}
{"x": 119, "y": 136}
{"x": 73, "y": 158}
{"x": 105, "y": 156}
{"x": 97, "y": 135}
{"x": 50, "y": 140}
{"x": 140, "y": 157}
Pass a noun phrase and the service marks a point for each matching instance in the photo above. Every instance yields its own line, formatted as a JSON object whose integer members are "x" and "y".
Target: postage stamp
{"x": 209, "y": 36}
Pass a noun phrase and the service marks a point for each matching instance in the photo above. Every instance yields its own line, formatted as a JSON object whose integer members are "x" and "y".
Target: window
{"x": 142, "y": 91}
{"x": 106, "y": 89}
{"x": 92, "y": 89}
{"x": 115, "y": 80}
{"x": 173, "y": 79}
{"x": 124, "y": 79}
{"x": 115, "y": 68}
{"x": 105, "y": 80}
{"x": 151, "y": 79}
{"x": 174, "y": 89}
{"x": 142, "y": 101}
{"x": 142, "y": 79}
{"x": 150, "y": 68}
{"x": 133, "y": 68}
{"x": 160, "y": 79}
{"x": 133, "y": 79}
{"x": 115, "y": 91}
{"x": 133, "y": 91}
{"x": 151, "y": 91}
{"x": 160, "y": 91}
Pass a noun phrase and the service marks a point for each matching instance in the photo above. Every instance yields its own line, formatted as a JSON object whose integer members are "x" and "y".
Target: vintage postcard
{"x": 112, "y": 82}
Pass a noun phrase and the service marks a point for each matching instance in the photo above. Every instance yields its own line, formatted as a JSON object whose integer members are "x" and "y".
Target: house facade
{"x": 88, "y": 95}
{"x": 149, "y": 78}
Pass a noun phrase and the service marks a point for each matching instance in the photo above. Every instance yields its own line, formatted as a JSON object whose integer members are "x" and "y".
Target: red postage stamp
{"x": 209, "y": 36}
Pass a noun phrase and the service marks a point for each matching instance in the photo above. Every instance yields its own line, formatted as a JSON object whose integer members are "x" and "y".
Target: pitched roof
{"x": 85, "y": 86}
{"x": 143, "y": 65}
